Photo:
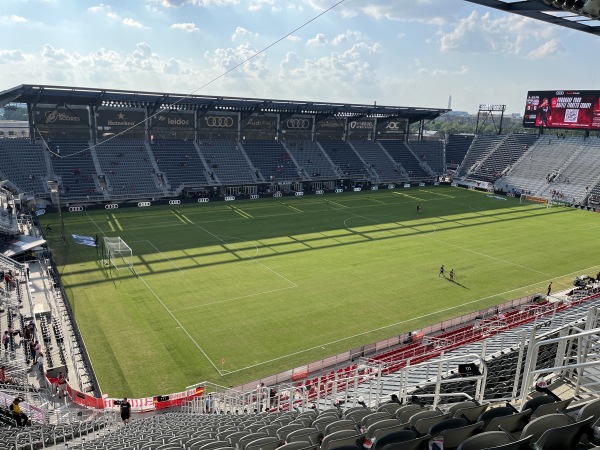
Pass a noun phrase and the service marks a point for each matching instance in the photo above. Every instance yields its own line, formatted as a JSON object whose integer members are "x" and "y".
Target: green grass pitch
{"x": 273, "y": 284}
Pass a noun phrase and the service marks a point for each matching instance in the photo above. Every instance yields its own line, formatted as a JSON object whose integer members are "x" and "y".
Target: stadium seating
{"x": 312, "y": 160}
{"x": 502, "y": 157}
{"x": 226, "y": 160}
{"x": 23, "y": 163}
{"x": 180, "y": 163}
{"x": 457, "y": 147}
{"x": 128, "y": 169}
{"x": 379, "y": 163}
{"x": 405, "y": 157}
{"x": 345, "y": 159}
{"x": 272, "y": 160}
{"x": 76, "y": 171}
{"x": 431, "y": 153}
{"x": 482, "y": 146}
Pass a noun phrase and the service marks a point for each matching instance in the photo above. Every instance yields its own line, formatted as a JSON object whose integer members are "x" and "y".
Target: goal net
{"x": 117, "y": 253}
{"x": 533, "y": 200}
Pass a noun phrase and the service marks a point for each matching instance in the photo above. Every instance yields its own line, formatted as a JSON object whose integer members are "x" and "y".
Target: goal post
{"x": 117, "y": 253}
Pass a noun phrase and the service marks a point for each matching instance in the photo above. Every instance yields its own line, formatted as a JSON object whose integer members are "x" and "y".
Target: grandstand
{"x": 449, "y": 376}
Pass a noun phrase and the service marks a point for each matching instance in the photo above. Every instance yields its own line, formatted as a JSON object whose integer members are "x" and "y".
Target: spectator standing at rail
{"x": 125, "y": 411}
{"x": 62, "y": 384}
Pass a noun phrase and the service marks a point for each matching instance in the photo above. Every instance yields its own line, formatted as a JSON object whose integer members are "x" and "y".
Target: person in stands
{"x": 15, "y": 410}
{"x": 125, "y": 411}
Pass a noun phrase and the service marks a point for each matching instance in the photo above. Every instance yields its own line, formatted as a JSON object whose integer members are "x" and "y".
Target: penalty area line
{"x": 175, "y": 319}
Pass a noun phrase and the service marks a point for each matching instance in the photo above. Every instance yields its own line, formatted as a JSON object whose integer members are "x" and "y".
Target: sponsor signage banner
{"x": 297, "y": 124}
{"x": 261, "y": 123}
{"x": 562, "y": 109}
{"x": 214, "y": 121}
{"x": 391, "y": 126}
{"x": 115, "y": 120}
{"x": 60, "y": 116}
{"x": 174, "y": 119}
{"x": 363, "y": 126}
{"x": 330, "y": 124}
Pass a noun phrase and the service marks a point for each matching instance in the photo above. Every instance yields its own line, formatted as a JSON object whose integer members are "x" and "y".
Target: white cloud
{"x": 548, "y": 49}
{"x": 256, "y": 5}
{"x": 187, "y": 27}
{"x": 507, "y": 34}
{"x": 241, "y": 32}
{"x": 129, "y": 22}
{"x": 226, "y": 59}
{"x": 178, "y": 3}
{"x": 10, "y": 56}
{"x": 437, "y": 72}
{"x": 426, "y": 11}
{"x": 294, "y": 38}
{"x": 103, "y": 9}
{"x": 12, "y": 19}
{"x": 348, "y": 35}
{"x": 319, "y": 39}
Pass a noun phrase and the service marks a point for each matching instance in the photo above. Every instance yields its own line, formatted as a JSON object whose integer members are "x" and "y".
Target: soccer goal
{"x": 117, "y": 253}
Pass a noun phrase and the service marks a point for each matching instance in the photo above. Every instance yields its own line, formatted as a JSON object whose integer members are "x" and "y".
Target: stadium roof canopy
{"x": 581, "y": 15}
{"x": 59, "y": 95}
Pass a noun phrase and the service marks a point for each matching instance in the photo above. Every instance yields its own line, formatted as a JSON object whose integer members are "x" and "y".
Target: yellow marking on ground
{"x": 337, "y": 204}
{"x": 409, "y": 196}
{"x": 117, "y": 222}
{"x": 245, "y": 215}
{"x": 437, "y": 193}
{"x": 178, "y": 216}
{"x": 291, "y": 207}
{"x": 112, "y": 228}
{"x": 186, "y": 218}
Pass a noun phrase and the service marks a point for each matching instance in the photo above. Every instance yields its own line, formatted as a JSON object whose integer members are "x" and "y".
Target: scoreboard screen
{"x": 579, "y": 110}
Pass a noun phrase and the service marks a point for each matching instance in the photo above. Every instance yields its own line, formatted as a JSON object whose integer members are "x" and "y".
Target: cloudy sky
{"x": 395, "y": 52}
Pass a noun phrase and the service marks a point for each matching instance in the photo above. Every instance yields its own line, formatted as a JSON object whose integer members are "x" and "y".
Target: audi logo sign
{"x": 406, "y": 185}
{"x": 320, "y": 192}
{"x": 391, "y": 186}
{"x": 374, "y": 188}
{"x": 339, "y": 191}
{"x": 202, "y": 200}
{"x": 111, "y": 206}
{"x": 174, "y": 202}
{"x": 437, "y": 183}
{"x": 219, "y": 121}
{"x": 229, "y": 198}
{"x": 299, "y": 193}
{"x": 277, "y": 194}
{"x": 143, "y": 204}
{"x": 297, "y": 124}
{"x": 357, "y": 189}
{"x": 75, "y": 208}
{"x": 254, "y": 196}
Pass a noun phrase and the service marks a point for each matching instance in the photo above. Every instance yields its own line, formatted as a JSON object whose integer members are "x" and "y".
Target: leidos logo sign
{"x": 174, "y": 121}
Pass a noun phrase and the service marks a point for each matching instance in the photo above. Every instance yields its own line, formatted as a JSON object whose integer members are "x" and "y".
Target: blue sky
{"x": 394, "y": 52}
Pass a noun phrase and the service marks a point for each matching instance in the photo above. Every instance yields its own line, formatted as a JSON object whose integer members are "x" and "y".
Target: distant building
{"x": 14, "y": 129}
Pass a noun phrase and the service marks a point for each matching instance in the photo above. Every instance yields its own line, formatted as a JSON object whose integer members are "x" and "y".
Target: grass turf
{"x": 273, "y": 284}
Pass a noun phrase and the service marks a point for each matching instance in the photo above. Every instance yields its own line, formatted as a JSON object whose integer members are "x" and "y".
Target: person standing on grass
{"x": 549, "y": 289}
{"x": 125, "y": 411}
{"x": 451, "y": 274}
{"x": 441, "y": 274}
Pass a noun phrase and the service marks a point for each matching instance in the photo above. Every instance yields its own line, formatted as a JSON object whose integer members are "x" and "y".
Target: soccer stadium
{"x": 190, "y": 271}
